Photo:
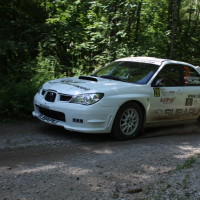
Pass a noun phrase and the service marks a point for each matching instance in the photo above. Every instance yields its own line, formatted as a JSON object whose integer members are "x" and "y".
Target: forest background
{"x": 47, "y": 39}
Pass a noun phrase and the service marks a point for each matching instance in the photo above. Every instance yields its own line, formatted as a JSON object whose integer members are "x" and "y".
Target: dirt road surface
{"x": 38, "y": 161}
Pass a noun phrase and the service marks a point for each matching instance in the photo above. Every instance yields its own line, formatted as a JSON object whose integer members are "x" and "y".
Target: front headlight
{"x": 87, "y": 99}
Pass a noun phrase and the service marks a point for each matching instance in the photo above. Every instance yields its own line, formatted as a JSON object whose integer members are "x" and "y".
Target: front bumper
{"x": 95, "y": 118}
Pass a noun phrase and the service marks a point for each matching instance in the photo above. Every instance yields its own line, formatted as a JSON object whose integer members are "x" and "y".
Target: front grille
{"x": 50, "y": 96}
{"x": 52, "y": 114}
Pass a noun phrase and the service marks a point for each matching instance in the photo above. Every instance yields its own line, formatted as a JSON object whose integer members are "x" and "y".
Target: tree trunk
{"x": 137, "y": 25}
{"x": 173, "y": 13}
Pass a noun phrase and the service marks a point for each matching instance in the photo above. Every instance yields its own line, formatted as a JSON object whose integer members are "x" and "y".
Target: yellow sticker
{"x": 156, "y": 92}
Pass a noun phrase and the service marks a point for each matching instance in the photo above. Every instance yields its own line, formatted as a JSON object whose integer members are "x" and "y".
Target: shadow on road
{"x": 148, "y": 132}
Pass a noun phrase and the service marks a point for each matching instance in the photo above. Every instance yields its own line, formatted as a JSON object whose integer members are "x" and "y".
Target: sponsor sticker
{"x": 193, "y": 95}
{"x": 188, "y": 102}
{"x": 47, "y": 119}
{"x": 186, "y": 80}
{"x": 159, "y": 112}
{"x": 75, "y": 85}
{"x": 177, "y": 113}
{"x": 168, "y": 93}
{"x": 167, "y": 100}
{"x": 156, "y": 92}
{"x": 194, "y": 80}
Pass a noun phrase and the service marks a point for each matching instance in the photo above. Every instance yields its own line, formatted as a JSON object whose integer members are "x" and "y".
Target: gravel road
{"x": 38, "y": 161}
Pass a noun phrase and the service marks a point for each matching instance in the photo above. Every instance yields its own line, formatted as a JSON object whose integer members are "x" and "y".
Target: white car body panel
{"x": 160, "y": 103}
{"x": 98, "y": 117}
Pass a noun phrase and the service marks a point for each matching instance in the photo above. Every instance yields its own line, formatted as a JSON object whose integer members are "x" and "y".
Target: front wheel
{"x": 128, "y": 122}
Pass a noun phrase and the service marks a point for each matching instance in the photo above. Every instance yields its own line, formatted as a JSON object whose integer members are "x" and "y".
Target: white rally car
{"x": 122, "y": 96}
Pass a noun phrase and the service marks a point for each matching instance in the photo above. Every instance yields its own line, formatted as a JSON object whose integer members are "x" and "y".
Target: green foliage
{"x": 16, "y": 100}
{"x": 187, "y": 164}
{"x": 46, "y": 68}
{"x": 17, "y": 92}
{"x": 46, "y": 39}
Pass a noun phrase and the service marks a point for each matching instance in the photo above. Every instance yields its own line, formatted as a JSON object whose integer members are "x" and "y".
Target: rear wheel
{"x": 128, "y": 122}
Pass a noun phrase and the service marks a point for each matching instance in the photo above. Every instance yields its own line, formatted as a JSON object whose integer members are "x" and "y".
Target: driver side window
{"x": 170, "y": 76}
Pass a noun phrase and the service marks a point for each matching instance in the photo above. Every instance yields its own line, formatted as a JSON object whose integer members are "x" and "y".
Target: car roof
{"x": 150, "y": 60}
{"x": 155, "y": 61}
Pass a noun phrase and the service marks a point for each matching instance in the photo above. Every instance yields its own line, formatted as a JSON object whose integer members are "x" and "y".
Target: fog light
{"x": 77, "y": 120}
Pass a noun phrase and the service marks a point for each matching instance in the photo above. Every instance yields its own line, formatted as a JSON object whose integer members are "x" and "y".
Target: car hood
{"x": 75, "y": 85}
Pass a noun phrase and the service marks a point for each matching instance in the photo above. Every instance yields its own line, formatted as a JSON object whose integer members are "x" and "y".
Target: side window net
{"x": 170, "y": 76}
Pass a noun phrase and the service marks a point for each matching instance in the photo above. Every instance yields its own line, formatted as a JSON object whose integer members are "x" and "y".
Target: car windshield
{"x": 133, "y": 72}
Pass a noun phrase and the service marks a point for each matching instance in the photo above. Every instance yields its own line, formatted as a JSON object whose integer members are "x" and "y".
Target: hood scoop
{"x": 88, "y": 78}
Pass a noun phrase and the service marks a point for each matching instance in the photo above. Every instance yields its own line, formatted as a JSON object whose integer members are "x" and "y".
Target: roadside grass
{"x": 165, "y": 189}
{"x": 188, "y": 163}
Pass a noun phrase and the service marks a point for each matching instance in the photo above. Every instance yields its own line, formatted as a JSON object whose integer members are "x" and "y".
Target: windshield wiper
{"x": 113, "y": 78}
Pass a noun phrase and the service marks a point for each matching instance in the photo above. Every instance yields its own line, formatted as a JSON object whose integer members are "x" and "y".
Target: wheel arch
{"x": 139, "y": 104}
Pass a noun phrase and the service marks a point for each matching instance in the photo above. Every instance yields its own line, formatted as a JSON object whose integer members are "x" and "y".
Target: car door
{"x": 167, "y": 95}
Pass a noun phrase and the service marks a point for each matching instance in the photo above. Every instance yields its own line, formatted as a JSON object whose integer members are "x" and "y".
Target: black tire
{"x": 128, "y": 122}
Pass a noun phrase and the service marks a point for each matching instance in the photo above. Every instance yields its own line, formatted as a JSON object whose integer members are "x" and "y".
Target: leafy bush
{"x": 17, "y": 91}
{"x": 16, "y": 100}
